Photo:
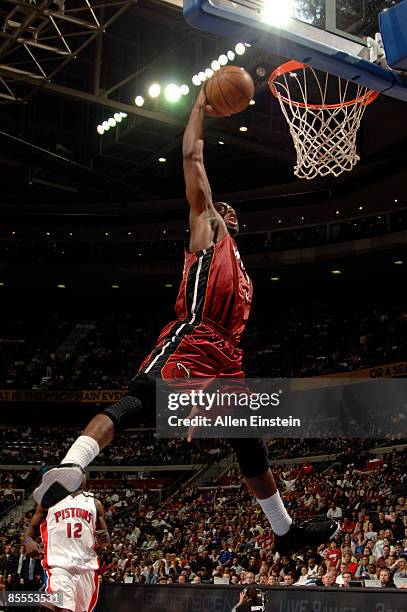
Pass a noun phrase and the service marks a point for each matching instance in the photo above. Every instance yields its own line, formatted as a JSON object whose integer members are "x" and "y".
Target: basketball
{"x": 229, "y": 90}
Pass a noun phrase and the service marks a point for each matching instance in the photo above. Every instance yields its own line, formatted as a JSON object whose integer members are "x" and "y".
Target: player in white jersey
{"x": 70, "y": 531}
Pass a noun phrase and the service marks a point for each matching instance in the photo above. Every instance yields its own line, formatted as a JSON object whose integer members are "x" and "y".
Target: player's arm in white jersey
{"x": 102, "y": 533}
{"x": 32, "y": 546}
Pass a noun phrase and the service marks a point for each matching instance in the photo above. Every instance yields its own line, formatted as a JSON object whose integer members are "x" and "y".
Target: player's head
{"x": 229, "y": 216}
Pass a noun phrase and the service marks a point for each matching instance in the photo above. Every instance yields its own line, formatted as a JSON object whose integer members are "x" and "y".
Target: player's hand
{"x": 102, "y": 537}
{"x": 242, "y": 597}
{"x": 33, "y": 549}
{"x": 202, "y": 101}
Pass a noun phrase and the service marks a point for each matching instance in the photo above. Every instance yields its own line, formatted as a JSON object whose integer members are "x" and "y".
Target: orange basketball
{"x": 229, "y": 90}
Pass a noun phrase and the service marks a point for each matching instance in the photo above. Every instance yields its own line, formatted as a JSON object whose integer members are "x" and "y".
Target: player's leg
{"x": 130, "y": 410}
{"x": 252, "y": 456}
{"x": 87, "y": 590}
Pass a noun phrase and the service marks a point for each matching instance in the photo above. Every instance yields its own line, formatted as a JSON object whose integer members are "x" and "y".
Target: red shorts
{"x": 184, "y": 351}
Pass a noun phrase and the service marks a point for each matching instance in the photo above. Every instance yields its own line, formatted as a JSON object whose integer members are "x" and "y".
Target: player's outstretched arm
{"x": 102, "y": 533}
{"x": 32, "y": 548}
{"x": 203, "y": 219}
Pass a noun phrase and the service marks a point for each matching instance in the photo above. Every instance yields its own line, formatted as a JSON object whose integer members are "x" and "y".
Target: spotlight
{"x": 215, "y": 65}
{"x": 172, "y": 92}
{"x": 223, "y": 60}
{"x": 202, "y": 76}
{"x": 275, "y": 278}
{"x": 231, "y": 55}
{"x": 240, "y": 49}
{"x": 106, "y": 126}
{"x": 252, "y": 102}
{"x": 111, "y": 122}
{"x": 243, "y": 128}
{"x": 196, "y": 80}
{"x": 208, "y": 73}
{"x": 184, "y": 90}
{"x": 117, "y": 117}
{"x": 221, "y": 142}
{"x": 139, "y": 101}
{"x": 336, "y": 272}
{"x": 123, "y": 115}
{"x": 162, "y": 160}
{"x": 277, "y": 13}
{"x": 100, "y": 129}
{"x": 154, "y": 90}
{"x": 399, "y": 262}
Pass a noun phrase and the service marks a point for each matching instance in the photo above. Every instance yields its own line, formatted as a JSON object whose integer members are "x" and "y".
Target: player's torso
{"x": 68, "y": 534}
{"x": 216, "y": 286}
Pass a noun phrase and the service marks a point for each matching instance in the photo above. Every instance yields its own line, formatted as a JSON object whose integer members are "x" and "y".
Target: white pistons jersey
{"x": 68, "y": 534}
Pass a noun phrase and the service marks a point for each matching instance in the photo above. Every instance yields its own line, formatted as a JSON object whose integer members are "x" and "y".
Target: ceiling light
{"x": 117, "y": 117}
{"x": 1, "y": 284}
{"x": 139, "y": 101}
{"x": 100, "y": 129}
{"x": 243, "y": 128}
{"x": 336, "y": 272}
{"x": 395, "y": 201}
{"x": 240, "y": 49}
{"x": 215, "y": 65}
{"x": 129, "y": 233}
{"x": 123, "y": 115}
{"x": 115, "y": 286}
{"x": 302, "y": 218}
{"x": 275, "y": 278}
{"x": 106, "y": 233}
{"x": 222, "y": 59}
{"x": 252, "y": 103}
{"x": 399, "y": 262}
{"x": 61, "y": 286}
{"x": 360, "y": 207}
{"x": 196, "y": 80}
{"x": 208, "y": 73}
{"x": 162, "y": 160}
{"x": 280, "y": 221}
{"x": 202, "y": 76}
{"x": 13, "y": 233}
{"x": 277, "y": 13}
{"x": 221, "y": 142}
{"x": 47, "y": 233}
{"x": 168, "y": 285}
{"x": 337, "y": 212}
{"x": 106, "y": 126}
{"x": 231, "y": 55}
{"x": 172, "y": 92}
{"x": 111, "y": 122}
{"x": 184, "y": 89}
{"x": 154, "y": 90}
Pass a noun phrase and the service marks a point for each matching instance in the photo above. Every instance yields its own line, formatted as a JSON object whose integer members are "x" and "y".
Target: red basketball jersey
{"x": 216, "y": 286}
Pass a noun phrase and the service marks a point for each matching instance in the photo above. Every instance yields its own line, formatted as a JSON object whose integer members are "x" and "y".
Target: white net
{"x": 324, "y": 113}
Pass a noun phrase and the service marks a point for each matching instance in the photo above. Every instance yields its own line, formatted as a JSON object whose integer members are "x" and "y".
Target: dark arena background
{"x": 93, "y": 223}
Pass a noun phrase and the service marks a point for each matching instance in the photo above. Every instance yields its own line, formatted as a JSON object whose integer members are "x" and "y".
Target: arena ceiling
{"x": 66, "y": 69}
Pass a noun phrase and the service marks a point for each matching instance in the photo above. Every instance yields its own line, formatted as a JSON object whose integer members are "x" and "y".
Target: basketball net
{"x": 324, "y": 113}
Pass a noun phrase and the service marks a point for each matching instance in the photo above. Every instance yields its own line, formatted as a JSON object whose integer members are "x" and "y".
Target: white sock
{"x": 83, "y": 451}
{"x": 278, "y": 516}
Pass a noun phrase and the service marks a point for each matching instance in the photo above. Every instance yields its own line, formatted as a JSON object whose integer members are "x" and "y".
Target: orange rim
{"x": 291, "y": 66}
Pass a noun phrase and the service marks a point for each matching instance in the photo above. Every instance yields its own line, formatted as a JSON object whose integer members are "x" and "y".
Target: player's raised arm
{"x": 198, "y": 190}
{"x": 32, "y": 548}
{"x": 102, "y": 533}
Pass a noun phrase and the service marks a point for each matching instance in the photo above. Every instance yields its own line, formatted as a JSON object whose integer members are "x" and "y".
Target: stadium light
{"x": 243, "y": 128}
{"x": 154, "y": 90}
{"x": 277, "y": 13}
{"x": 202, "y": 76}
{"x": 184, "y": 89}
{"x": 222, "y": 59}
{"x": 139, "y": 101}
{"x": 240, "y": 48}
{"x": 111, "y": 122}
{"x": 336, "y": 272}
{"x": 172, "y": 93}
{"x": 100, "y": 129}
{"x": 117, "y": 117}
{"x": 231, "y": 55}
{"x": 215, "y": 65}
{"x": 162, "y": 160}
{"x": 106, "y": 126}
{"x": 196, "y": 80}
{"x": 399, "y": 262}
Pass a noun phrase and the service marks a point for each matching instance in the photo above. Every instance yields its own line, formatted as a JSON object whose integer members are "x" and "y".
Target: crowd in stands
{"x": 305, "y": 339}
{"x": 47, "y": 445}
{"x": 219, "y": 532}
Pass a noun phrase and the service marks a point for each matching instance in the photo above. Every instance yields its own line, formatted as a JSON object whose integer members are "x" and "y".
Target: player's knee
{"x": 125, "y": 413}
{"x": 252, "y": 456}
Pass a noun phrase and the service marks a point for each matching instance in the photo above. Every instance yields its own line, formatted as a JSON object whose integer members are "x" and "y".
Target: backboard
{"x": 330, "y": 35}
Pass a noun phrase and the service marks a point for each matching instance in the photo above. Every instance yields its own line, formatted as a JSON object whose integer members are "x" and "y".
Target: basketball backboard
{"x": 330, "y": 35}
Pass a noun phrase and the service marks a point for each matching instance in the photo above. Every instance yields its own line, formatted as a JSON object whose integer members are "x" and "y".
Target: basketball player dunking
{"x": 70, "y": 530}
{"x": 212, "y": 309}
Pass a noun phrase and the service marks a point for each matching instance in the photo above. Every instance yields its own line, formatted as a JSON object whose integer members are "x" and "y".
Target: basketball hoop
{"x": 324, "y": 113}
